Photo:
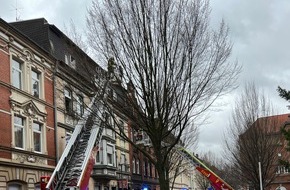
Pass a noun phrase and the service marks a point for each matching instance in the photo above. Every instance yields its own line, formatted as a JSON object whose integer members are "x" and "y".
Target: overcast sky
{"x": 259, "y": 29}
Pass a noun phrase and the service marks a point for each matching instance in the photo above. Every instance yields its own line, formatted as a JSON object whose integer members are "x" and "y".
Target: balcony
{"x": 282, "y": 170}
{"x": 104, "y": 172}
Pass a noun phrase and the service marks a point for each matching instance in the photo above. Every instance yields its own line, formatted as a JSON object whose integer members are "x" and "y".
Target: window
{"x": 68, "y": 100}
{"x": 110, "y": 155}
{"x": 37, "y": 186}
{"x": 80, "y": 105}
{"x": 16, "y": 74}
{"x": 134, "y": 166}
{"x": 37, "y": 137}
{"x": 109, "y": 132}
{"x": 98, "y": 160}
{"x": 138, "y": 166}
{"x": 68, "y": 135}
{"x": 35, "y": 80}
{"x": 121, "y": 125}
{"x": 14, "y": 187}
{"x": 123, "y": 162}
{"x": 19, "y": 131}
{"x": 70, "y": 60}
{"x": 145, "y": 168}
{"x": 122, "y": 142}
{"x": 149, "y": 169}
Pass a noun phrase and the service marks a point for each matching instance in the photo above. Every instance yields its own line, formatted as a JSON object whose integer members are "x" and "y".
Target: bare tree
{"x": 175, "y": 64}
{"x": 253, "y": 137}
{"x": 76, "y": 36}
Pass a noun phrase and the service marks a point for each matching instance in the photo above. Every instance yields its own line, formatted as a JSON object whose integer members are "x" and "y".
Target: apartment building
{"x": 282, "y": 179}
{"x": 273, "y": 125}
{"x": 75, "y": 76}
{"x": 27, "y": 138}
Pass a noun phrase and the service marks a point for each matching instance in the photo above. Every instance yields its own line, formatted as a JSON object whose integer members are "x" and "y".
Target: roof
{"x": 8, "y": 28}
{"x": 40, "y": 31}
{"x": 273, "y": 123}
{"x": 36, "y": 29}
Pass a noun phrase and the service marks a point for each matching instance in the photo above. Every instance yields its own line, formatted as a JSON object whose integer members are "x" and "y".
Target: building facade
{"x": 282, "y": 179}
{"x": 74, "y": 75}
{"x": 272, "y": 125}
{"x": 27, "y": 145}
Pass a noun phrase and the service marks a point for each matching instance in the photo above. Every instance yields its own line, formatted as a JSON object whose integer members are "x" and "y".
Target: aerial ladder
{"x": 215, "y": 180}
{"x": 76, "y": 163}
{"x": 74, "y": 168}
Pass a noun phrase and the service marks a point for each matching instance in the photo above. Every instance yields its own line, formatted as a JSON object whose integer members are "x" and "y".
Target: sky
{"x": 259, "y": 30}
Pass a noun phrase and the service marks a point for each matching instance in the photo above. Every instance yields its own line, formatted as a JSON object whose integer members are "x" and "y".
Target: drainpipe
{"x": 55, "y": 111}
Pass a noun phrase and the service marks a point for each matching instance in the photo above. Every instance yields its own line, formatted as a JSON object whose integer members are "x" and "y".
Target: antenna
{"x": 16, "y": 9}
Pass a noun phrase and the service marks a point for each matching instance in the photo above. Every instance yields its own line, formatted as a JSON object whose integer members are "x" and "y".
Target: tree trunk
{"x": 163, "y": 178}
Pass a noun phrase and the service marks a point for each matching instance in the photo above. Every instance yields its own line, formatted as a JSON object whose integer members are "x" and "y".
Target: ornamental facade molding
{"x": 28, "y": 109}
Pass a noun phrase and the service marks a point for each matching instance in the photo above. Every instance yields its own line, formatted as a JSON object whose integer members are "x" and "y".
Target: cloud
{"x": 56, "y": 12}
{"x": 260, "y": 34}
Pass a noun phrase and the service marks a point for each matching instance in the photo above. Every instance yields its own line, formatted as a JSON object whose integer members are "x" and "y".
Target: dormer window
{"x": 70, "y": 60}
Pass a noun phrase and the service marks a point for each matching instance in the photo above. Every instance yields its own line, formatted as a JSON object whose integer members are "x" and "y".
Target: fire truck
{"x": 76, "y": 163}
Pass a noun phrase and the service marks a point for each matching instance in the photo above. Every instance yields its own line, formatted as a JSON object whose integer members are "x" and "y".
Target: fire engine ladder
{"x": 71, "y": 167}
{"x": 215, "y": 180}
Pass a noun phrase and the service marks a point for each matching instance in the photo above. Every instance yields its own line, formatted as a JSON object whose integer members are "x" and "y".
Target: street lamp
{"x": 260, "y": 175}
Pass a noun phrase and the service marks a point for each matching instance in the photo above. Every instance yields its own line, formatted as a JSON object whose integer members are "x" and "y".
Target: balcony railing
{"x": 282, "y": 170}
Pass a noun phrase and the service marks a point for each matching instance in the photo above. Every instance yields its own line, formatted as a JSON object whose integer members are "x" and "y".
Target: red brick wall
{"x": 6, "y": 155}
{"x": 5, "y": 118}
{"x": 4, "y": 65}
{"x": 48, "y": 85}
{"x": 4, "y": 98}
{"x": 5, "y": 125}
{"x": 4, "y": 78}
{"x": 283, "y": 179}
{"x": 50, "y": 133}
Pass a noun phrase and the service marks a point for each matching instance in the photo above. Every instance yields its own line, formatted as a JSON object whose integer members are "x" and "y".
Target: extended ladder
{"x": 215, "y": 180}
{"x": 76, "y": 163}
